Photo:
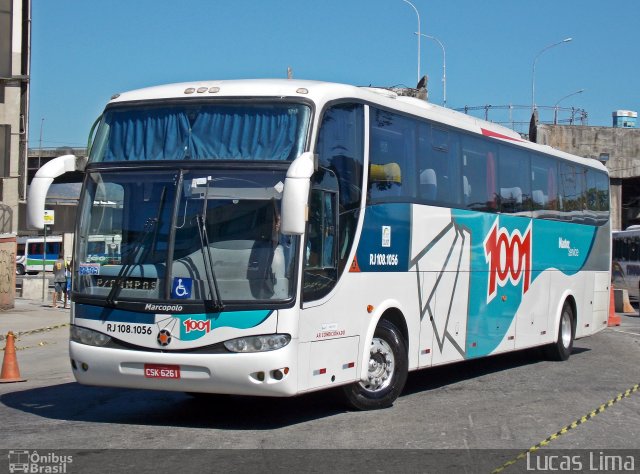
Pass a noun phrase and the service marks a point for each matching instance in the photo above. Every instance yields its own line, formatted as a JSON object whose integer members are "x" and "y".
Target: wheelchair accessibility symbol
{"x": 181, "y": 288}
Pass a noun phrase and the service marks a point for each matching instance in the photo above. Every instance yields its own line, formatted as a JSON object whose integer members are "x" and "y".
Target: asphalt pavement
{"x": 480, "y": 413}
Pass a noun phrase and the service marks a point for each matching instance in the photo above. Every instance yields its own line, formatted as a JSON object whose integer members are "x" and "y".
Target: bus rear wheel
{"x": 387, "y": 371}
{"x": 20, "y": 269}
{"x": 561, "y": 349}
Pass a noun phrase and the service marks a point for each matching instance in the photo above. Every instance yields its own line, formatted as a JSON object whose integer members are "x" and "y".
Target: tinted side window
{"x": 438, "y": 166}
{"x": 572, "y": 178}
{"x": 544, "y": 186}
{"x": 320, "y": 274}
{"x": 514, "y": 179}
{"x": 597, "y": 197}
{"x": 340, "y": 149}
{"x": 479, "y": 174}
{"x": 392, "y": 151}
{"x": 602, "y": 197}
{"x": 35, "y": 248}
{"x": 591, "y": 209}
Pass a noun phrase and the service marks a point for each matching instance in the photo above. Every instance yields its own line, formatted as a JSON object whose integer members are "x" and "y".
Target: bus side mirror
{"x": 295, "y": 196}
{"x": 41, "y": 182}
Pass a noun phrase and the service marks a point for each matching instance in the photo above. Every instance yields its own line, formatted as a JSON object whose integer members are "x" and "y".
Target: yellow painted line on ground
{"x": 48, "y": 328}
{"x": 571, "y": 426}
{"x": 34, "y": 331}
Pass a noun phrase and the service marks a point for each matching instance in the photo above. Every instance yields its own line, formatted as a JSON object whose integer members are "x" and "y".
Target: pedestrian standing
{"x": 67, "y": 295}
{"x": 59, "y": 280}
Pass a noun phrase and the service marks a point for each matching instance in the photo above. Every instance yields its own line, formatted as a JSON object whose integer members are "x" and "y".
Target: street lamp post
{"x": 444, "y": 67}
{"x": 419, "y": 34}
{"x": 555, "y": 106}
{"x": 533, "y": 74}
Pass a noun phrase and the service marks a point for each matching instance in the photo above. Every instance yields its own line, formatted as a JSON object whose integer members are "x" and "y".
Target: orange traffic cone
{"x": 10, "y": 371}
{"x": 614, "y": 319}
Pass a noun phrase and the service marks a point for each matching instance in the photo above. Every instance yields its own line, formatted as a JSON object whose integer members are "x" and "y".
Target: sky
{"x": 84, "y": 51}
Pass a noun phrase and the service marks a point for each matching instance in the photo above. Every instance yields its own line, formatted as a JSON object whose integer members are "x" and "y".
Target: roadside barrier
{"x": 623, "y": 305}
{"x": 614, "y": 319}
{"x": 10, "y": 371}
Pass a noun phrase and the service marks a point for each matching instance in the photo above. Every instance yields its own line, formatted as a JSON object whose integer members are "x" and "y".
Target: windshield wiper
{"x": 151, "y": 224}
{"x": 207, "y": 258}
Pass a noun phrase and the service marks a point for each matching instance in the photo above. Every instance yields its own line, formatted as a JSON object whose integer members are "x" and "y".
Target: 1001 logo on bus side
{"x": 509, "y": 258}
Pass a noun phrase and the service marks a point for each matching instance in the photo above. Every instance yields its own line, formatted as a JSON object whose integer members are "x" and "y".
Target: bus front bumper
{"x": 271, "y": 373}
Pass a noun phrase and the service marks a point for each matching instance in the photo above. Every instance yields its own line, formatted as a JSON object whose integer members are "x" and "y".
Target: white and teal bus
{"x": 281, "y": 236}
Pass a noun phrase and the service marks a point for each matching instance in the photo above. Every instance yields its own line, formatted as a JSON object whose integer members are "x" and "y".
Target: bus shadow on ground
{"x": 75, "y": 402}
{"x": 448, "y": 374}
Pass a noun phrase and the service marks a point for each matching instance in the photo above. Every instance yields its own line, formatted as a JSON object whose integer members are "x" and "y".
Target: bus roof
{"x": 322, "y": 92}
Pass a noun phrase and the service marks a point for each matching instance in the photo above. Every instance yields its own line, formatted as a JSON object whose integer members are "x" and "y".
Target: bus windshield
{"x": 192, "y": 235}
{"x": 202, "y": 131}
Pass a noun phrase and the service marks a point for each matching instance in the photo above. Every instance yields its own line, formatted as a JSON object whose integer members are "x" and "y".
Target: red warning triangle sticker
{"x": 354, "y": 266}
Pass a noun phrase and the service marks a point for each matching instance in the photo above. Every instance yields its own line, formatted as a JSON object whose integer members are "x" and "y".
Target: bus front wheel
{"x": 387, "y": 371}
{"x": 561, "y": 349}
{"x": 20, "y": 269}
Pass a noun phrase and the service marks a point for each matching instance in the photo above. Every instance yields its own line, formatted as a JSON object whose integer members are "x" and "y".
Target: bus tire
{"x": 20, "y": 269}
{"x": 387, "y": 374}
{"x": 561, "y": 349}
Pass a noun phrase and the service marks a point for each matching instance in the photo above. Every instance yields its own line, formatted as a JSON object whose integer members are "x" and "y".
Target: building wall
{"x": 7, "y": 271}
{"x": 14, "y": 94}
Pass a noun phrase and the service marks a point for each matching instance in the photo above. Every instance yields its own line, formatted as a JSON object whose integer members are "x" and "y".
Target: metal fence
{"x": 518, "y": 117}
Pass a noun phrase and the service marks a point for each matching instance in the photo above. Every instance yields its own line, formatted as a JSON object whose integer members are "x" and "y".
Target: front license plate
{"x": 156, "y": 371}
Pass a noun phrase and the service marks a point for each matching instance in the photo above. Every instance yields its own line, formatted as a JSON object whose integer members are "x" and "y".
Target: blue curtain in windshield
{"x": 200, "y": 132}
{"x": 147, "y": 134}
{"x": 239, "y": 133}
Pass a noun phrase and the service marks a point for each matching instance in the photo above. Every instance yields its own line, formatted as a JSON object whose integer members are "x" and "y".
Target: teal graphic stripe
{"x": 232, "y": 319}
{"x": 553, "y": 245}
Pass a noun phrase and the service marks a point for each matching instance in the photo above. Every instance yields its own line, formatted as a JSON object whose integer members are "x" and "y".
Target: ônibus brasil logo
{"x": 509, "y": 258}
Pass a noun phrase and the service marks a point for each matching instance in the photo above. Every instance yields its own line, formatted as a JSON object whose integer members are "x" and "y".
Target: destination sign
{"x": 130, "y": 283}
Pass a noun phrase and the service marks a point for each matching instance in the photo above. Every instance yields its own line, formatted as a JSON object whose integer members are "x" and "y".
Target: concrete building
{"x": 15, "y": 41}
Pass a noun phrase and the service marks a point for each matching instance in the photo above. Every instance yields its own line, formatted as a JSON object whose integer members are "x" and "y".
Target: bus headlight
{"x": 89, "y": 337}
{"x": 269, "y": 342}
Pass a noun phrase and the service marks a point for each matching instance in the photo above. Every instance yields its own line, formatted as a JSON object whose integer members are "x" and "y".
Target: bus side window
{"x": 479, "y": 174}
{"x": 573, "y": 192}
{"x": 320, "y": 262}
{"x": 392, "y": 152}
{"x": 544, "y": 195}
{"x": 514, "y": 178}
{"x": 340, "y": 148}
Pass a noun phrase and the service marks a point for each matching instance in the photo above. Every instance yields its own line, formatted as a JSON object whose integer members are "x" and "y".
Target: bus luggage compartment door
{"x": 333, "y": 361}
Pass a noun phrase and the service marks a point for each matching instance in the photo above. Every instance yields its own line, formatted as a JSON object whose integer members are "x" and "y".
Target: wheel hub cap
{"x": 566, "y": 330}
{"x": 381, "y": 366}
